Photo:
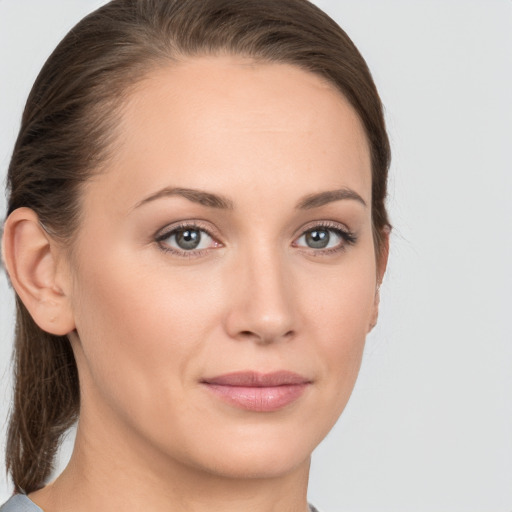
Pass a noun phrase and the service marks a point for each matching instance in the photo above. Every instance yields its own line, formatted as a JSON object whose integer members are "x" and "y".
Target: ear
{"x": 34, "y": 263}
{"x": 382, "y": 262}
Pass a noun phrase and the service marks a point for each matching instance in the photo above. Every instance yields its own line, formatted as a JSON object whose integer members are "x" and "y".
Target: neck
{"x": 129, "y": 477}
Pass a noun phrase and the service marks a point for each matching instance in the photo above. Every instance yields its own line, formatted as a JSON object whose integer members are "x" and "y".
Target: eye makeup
{"x": 320, "y": 235}
{"x": 192, "y": 239}
{"x": 191, "y": 235}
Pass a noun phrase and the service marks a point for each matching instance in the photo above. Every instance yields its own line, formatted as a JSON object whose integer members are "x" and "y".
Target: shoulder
{"x": 19, "y": 503}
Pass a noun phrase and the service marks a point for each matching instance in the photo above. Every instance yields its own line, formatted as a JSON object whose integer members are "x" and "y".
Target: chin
{"x": 258, "y": 452}
{"x": 262, "y": 465}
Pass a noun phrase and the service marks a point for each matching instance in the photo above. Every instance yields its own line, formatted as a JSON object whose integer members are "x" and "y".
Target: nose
{"x": 262, "y": 303}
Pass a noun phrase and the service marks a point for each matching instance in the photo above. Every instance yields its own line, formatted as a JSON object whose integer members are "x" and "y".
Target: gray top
{"x": 20, "y": 503}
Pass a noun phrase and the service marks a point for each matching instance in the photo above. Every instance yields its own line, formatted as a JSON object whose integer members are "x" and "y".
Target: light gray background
{"x": 429, "y": 426}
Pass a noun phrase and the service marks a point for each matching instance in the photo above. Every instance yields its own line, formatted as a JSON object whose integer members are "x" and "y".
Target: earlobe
{"x": 31, "y": 260}
{"x": 382, "y": 262}
{"x": 375, "y": 310}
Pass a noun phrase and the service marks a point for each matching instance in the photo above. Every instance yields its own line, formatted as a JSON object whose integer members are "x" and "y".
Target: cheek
{"x": 340, "y": 312}
{"x": 141, "y": 316}
{"x": 342, "y": 298}
{"x": 136, "y": 322}
{"x": 133, "y": 314}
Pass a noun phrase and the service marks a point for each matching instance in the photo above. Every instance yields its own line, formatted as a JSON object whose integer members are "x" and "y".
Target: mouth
{"x": 258, "y": 392}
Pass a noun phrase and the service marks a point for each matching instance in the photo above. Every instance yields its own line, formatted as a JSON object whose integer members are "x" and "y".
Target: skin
{"x": 151, "y": 324}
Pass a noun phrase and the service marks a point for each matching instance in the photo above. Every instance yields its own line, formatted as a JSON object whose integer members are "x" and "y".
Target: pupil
{"x": 318, "y": 238}
{"x": 188, "y": 238}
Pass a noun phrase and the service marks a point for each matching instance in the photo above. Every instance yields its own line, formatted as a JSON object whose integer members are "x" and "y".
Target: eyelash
{"x": 348, "y": 238}
{"x": 192, "y": 225}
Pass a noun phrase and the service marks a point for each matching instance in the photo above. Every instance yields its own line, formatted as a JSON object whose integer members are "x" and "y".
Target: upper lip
{"x": 257, "y": 379}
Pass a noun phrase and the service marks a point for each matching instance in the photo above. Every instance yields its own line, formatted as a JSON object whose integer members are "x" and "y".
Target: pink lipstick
{"x": 258, "y": 392}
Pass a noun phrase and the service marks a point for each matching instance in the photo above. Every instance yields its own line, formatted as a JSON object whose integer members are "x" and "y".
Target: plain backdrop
{"x": 429, "y": 425}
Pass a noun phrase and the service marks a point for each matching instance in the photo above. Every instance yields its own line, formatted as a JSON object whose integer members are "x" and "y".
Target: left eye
{"x": 321, "y": 238}
{"x": 187, "y": 239}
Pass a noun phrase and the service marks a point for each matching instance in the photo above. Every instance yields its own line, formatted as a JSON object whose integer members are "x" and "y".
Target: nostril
{"x": 268, "y": 338}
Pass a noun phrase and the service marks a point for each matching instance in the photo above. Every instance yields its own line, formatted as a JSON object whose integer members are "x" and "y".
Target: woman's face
{"x": 224, "y": 274}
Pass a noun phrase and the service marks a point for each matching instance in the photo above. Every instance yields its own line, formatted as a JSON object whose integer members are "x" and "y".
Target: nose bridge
{"x": 262, "y": 307}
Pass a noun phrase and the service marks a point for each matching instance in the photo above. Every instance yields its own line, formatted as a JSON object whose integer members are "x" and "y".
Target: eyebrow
{"x": 217, "y": 201}
{"x": 196, "y": 196}
{"x": 329, "y": 196}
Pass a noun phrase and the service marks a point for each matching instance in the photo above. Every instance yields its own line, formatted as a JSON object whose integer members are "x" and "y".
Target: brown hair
{"x": 66, "y": 135}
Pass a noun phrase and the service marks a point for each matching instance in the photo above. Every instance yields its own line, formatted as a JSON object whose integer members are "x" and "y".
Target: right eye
{"x": 187, "y": 240}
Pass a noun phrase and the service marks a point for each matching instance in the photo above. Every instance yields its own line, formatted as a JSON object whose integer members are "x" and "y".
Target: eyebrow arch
{"x": 216, "y": 201}
{"x": 322, "y": 198}
{"x": 196, "y": 196}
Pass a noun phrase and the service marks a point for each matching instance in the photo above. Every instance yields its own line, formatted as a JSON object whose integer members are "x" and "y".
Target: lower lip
{"x": 259, "y": 399}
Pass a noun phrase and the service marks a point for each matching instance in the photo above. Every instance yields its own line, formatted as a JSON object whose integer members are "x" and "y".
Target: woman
{"x": 196, "y": 235}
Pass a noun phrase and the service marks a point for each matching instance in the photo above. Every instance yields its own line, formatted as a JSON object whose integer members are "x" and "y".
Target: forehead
{"x": 219, "y": 122}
